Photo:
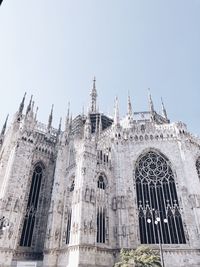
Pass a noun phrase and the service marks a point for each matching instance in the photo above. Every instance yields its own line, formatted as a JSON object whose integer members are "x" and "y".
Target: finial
{"x": 164, "y": 112}
{"x": 116, "y": 112}
{"x": 4, "y": 126}
{"x": 29, "y": 106}
{"x": 50, "y": 119}
{"x": 93, "y": 95}
{"x": 130, "y": 112}
{"x": 151, "y": 107}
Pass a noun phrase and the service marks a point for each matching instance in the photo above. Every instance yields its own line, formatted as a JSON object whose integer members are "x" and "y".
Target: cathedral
{"x": 74, "y": 197}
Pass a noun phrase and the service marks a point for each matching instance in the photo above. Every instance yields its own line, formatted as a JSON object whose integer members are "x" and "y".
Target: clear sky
{"x": 52, "y": 49}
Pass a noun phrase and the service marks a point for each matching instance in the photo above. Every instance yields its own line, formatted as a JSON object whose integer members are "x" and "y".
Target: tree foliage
{"x": 143, "y": 256}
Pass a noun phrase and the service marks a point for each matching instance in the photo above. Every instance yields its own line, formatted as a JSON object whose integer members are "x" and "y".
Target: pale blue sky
{"x": 52, "y": 49}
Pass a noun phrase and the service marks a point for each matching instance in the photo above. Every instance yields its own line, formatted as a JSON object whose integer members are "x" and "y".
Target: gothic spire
{"x": 29, "y": 106}
{"x": 93, "y": 95}
{"x": 50, "y": 119}
{"x": 130, "y": 111}
{"x": 67, "y": 117}
{"x": 4, "y": 126}
{"x": 36, "y": 113}
{"x": 32, "y": 106}
{"x": 70, "y": 122}
{"x": 21, "y": 107}
{"x": 96, "y": 126}
{"x": 100, "y": 124}
{"x": 151, "y": 106}
{"x": 164, "y": 112}
{"x": 60, "y": 125}
{"x": 116, "y": 112}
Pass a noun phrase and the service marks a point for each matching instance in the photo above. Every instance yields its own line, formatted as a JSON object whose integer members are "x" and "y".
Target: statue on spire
{"x": 93, "y": 95}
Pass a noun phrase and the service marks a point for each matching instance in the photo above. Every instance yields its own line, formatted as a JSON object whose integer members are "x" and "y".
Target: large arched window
{"x": 32, "y": 205}
{"x": 157, "y": 198}
{"x": 198, "y": 166}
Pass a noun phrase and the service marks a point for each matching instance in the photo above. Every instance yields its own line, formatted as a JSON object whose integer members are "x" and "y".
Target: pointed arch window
{"x": 101, "y": 233}
{"x": 32, "y": 206}
{"x": 198, "y": 166}
{"x": 68, "y": 227}
{"x": 156, "y": 194}
{"x": 101, "y": 182}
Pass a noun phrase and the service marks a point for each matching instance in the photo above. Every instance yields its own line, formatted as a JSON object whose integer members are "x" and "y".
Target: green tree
{"x": 143, "y": 256}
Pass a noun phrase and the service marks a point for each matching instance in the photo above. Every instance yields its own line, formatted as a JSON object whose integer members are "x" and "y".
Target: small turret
{"x": 50, "y": 119}
{"x": 93, "y": 95}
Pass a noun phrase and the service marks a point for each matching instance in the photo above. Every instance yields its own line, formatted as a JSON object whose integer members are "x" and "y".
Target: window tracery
{"x": 32, "y": 205}
{"x": 156, "y": 192}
